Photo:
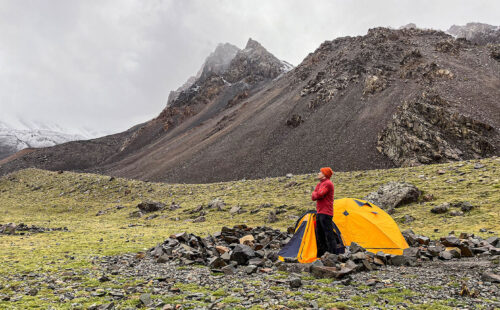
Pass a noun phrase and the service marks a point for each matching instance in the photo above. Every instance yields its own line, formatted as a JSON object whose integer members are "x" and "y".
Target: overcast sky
{"x": 109, "y": 65}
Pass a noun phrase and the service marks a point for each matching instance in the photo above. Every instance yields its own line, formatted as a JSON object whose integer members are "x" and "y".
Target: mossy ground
{"x": 49, "y": 199}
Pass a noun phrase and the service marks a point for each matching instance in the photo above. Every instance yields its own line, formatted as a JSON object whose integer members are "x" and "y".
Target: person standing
{"x": 323, "y": 195}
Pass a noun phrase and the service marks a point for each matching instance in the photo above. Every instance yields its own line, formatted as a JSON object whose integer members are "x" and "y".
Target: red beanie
{"x": 327, "y": 172}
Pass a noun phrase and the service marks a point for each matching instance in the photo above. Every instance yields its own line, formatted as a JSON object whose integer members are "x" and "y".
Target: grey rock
{"x": 228, "y": 270}
{"x": 446, "y": 255}
{"x": 150, "y": 206}
{"x": 145, "y": 299}
{"x": 494, "y": 241}
{"x": 295, "y": 282}
{"x": 450, "y": 241}
{"x": 250, "y": 269}
{"x": 355, "y": 248}
{"x": 490, "y": 277}
{"x": 216, "y": 262}
{"x": 442, "y": 208}
{"x": 242, "y": 253}
{"x": 393, "y": 195}
{"x": 329, "y": 260}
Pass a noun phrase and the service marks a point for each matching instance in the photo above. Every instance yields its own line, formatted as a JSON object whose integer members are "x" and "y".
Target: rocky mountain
{"x": 478, "y": 33}
{"x": 388, "y": 98}
{"x": 217, "y": 62}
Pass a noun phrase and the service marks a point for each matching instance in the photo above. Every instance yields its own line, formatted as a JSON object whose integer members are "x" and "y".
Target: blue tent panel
{"x": 291, "y": 249}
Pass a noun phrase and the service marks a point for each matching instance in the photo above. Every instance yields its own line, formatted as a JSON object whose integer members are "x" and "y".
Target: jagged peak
{"x": 252, "y": 44}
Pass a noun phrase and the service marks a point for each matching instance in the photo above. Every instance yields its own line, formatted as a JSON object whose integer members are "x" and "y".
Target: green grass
{"x": 49, "y": 199}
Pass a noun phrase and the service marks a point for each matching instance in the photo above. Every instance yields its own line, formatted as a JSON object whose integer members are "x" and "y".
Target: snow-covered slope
{"x": 14, "y": 139}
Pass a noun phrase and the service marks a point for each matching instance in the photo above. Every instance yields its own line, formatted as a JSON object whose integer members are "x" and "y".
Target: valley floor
{"x": 61, "y": 269}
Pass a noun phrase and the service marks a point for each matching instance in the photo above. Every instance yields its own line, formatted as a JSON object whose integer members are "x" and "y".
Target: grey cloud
{"x": 111, "y": 64}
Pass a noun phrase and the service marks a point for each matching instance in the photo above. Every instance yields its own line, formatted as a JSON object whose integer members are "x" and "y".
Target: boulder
{"x": 490, "y": 277}
{"x": 355, "y": 248}
{"x": 446, "y": 255}
{"x": 242, "y": 253}
{"x": 394, "y": 194}
{"x": 216, "y": 262}
{"x": 465, "y": 206}
{"x": 250, "y": 269}
{"x": 400, "y": 260}
{"x": 145, "y": 299}
{"x": 162, "y": 259}
{"x": 442, "y": 208}
{"x": 410, "y": 237}
{"x": 150, "y": 206}
{"x": 235, "y": 210}
{"x": 466, "y": 251}
{"x": 411, "y": 252}
{"x": 454, "y": 251}
{"x": 9, "y": 229}
{"x": 217, "y": 204}
{"x": 329, "y": 260}
{"x": 228, "y": 270}
{"x": 434, "y": 250}
{"x": 423, "y": 240}
{"x": 222, "y": 249}
{"x": 247, "y": 240}
{"x": 494, "y": 241}
{"x": 324, "y": 272}
{"x": 450, "y": 241}
{"x": 295, "y": 282}
{"x": 259, "y": 262}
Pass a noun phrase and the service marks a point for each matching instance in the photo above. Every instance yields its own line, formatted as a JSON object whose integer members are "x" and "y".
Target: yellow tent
{"x": 369, "y": 226}
{"x": 354, "y": 220}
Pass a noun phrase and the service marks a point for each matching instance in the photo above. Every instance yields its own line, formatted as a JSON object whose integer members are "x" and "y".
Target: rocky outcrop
{"x": 478, "y": 33}
{"x": 427, "y": 130}
{"x": 216, "y": 63}
{"x": 254, "y": 64}
{"x": 226, "y": 65}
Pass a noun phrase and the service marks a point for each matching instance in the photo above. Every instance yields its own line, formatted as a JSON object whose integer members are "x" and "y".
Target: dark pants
{"x": 325, "y": 238}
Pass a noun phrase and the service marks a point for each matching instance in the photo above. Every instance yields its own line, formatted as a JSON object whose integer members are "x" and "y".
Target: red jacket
{"x": 323, "y": 194}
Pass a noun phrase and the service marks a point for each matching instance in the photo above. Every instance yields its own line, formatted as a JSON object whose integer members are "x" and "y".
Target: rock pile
{"x": 241, "y": 245}
{"x": 249, "y": 250}
{"x": 12, "y": 228}
{"x": 451, "y": 246}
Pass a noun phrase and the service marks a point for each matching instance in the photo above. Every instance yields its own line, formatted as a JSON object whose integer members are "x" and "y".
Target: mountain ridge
{"x": 339, "y": 107}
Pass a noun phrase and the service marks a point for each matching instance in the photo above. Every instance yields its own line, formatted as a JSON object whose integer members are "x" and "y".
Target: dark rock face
{"x": 393, "y": 194}
{"x": 254, "y": 64}
{"x": 427, "y": 130}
